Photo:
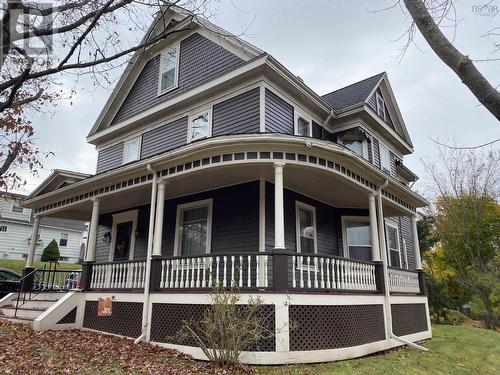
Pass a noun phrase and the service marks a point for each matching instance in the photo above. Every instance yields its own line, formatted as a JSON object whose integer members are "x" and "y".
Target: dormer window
{"x": 380, "y": 106}
{"x": 302, "y": 126}
{"x": 131, "y": 150}
{"x": 200, "y": 126}
{"x": 168, "y": 70}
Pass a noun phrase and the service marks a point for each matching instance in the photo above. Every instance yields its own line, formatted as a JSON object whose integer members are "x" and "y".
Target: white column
{"x": 160, "y": 204}
{"x": 279, "y": 214}
{"x": 373, "y": 228}
{"x": 34, "y": 239}
{"x": 94, "y": 222}
{"x": 416, "y": 244}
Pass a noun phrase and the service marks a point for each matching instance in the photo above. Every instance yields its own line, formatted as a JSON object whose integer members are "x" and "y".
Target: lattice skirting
{"x": 126, "y": 318}
{"x": 408, "y": 318}
{"x": 167, "y": 320}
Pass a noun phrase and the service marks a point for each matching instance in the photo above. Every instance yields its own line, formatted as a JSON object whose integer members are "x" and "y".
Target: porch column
{"x": 160, "y": 204}
{"x": 373, "y": 228}
{"x": 279, "y": 215}
{"x": 34, "y": 239}
{"x": 92, "y": 239}
{"x": 416, "y": 244}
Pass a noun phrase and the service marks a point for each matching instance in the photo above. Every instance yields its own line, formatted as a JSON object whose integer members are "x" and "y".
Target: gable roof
{"x": 355, "y": 93}
{"x": 57, "y": 179}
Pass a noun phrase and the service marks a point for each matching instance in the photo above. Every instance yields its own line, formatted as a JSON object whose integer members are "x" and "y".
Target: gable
{"x": 200, "y": 60}
{"x": 372, "y": 103}
{"x": 57, "y": 180}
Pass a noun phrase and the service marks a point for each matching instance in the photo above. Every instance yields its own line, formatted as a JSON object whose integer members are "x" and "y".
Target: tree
{"x": 51, "y": 252}
{"x": 468, "y": 223}
{"x": 43, "y": 42}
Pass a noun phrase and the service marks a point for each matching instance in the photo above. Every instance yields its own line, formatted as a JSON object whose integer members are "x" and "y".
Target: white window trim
{"x": 139, "y": 145}
{"x": 364, "y": 146}
{"x": 123, "y": 217}
{"x": 312, "y": 209}
{"x": 388, "y": 224}
{"x": 176, "y": 77}
{"x": 353, "y": 219}
{"x": 196, "y": 204}
{"x": 194, "y": 115}
{"x": 298, "y": 114}
{"x": 378, "y": 99}
{"x": 60, "y": 238}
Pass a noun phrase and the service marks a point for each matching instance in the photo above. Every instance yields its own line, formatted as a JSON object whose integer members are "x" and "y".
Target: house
{"x": 218, "y": 166}
{"x": 16, "y": 224}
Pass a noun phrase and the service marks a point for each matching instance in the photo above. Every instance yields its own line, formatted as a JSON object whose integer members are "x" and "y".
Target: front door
{"x": 123, "y": 239}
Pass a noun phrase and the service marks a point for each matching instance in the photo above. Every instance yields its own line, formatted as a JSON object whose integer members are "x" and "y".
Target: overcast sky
{"x": 329, "y": 44}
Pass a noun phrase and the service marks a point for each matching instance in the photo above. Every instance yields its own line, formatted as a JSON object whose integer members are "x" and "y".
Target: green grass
{"x": 452, "y": 350}
{"x": 18, "y": 265}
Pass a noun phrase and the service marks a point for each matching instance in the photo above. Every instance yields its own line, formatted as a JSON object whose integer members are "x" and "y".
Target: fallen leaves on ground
{"x": 24, "y": 351}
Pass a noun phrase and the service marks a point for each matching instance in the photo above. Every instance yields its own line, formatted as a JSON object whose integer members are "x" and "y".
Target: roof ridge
{"x": 354, "y": 83}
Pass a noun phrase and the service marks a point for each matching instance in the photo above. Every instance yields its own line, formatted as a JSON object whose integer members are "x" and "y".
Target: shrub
{"x": 51, "y": 252}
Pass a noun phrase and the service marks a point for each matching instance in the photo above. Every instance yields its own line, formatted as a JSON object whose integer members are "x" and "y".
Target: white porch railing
{"x": 402, "y": 281}
{"x": 319, "y": 272}
{"x": 243, "y": 271}
{"x": 119, "y": 275}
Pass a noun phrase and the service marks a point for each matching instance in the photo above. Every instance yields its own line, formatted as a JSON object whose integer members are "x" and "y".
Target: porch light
{"x": 106, "y": 237}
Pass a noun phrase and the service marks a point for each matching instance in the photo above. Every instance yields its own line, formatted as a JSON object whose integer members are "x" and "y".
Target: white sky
{"x": 329, "y": 44}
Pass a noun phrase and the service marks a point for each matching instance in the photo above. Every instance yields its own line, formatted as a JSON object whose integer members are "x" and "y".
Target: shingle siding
{"x": 279, "y": 114}
{"x": 237, "y": 115}
{"x": 164, "y": 138}
{"x": 200, "y": 60}
{"x": 110, "y": 158}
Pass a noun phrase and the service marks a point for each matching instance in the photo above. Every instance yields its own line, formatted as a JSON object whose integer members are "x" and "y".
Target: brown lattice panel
{"x": 335, "y": 326}
{"x": 167, "y": 322}
{"x": 408, "y": 318}
{"x": 125, "y": 320}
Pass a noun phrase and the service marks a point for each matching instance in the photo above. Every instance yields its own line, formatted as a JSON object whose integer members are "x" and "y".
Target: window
{"x": 131, "y": 150}
{"x": 380, "y": 106}
{"x": 392, "y": 234}
{"x": 200, "y": 126}
{"x": 168, "y": 70}
{"x": 194, "y": 227}
{"x": 306, "y": 228}
{"x": 385, "y": 160}
{"x": 357, "y": 242}
{"x": 16, "y": 207}
{"x": 3, "y": 228}
{"x": 63, "y": 241}
{"x": 302, "y": 126}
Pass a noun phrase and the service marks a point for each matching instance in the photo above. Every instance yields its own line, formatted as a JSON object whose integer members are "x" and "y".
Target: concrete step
{"x": 22, "y": 313}
{"x": 46, "y": 296}
{"x": 18, "y": 320}
{"x": 34, "y": 304}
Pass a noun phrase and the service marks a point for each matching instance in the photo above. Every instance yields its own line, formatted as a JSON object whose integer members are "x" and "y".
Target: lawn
{"x": 18, "y": 265}
{"x": 453, "y": 350}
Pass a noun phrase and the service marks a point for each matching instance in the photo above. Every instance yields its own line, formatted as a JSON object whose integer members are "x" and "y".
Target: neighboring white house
{"x": 16, "y": 225}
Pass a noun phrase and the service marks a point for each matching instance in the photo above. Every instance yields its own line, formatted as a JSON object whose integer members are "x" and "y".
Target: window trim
{"x": 382, "y": 147}
{"x": 139, "y": 145}
{"x": 380, "y": 106}
{"x": 194, "y": 115}
{"x": 301, "y": 205}
{"x": 296, "y": 116}
{"x": 119, "y": 218}
{"x": 354, "y": 219}
{"x": 175, "y": 47}
{"x": 60, "y": 238}
{"x": 195, "y": 204}
{"x": 388, "y": 224}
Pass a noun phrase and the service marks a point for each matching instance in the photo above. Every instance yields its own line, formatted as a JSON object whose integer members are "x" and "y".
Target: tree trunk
{"x": 459, "y": 63}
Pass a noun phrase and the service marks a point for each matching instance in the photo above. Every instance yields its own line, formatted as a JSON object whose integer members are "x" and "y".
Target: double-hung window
{"x": 131, "y": 150}
{"x": 380, "y": 106}
{"x": 385, "y": 159}
{"x": 302, "y": 126}
{"x": 393, "y": 250}
{"x": 200, "y": 125}
{"x": 357, "y": 242}
{"x": 168, "y": 70}
{"x": 63, "y": 240}
{"x": 194, "y": 223}
{"x": 306, "y": 228}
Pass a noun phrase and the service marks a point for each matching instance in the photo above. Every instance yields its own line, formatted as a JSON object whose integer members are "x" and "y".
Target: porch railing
{"x": 403, "y": 281}
{"x": 327, "y": 272}
{"x": 118, "y": 275}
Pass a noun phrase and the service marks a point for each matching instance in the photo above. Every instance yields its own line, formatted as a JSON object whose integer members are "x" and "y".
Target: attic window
{"x": 380, "y": 106}
{"x": 169, "y": 71}
{"x": 131, "y": 150}
{"x": 302, "y": 126}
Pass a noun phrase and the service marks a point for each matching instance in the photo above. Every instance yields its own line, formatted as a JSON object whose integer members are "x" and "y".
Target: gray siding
{"x": 372, "y": 102}
{"x": 393, "y": 163}
{"x": 279, "y": 114}
{"x": 317, "y": 131}
{"x": 407, "y": 234}
{"x": 238, "y": 115}
{"x": 376, "y": 152}
{"x": 110, "y": 158}
{"x": 200, "y": 60}
{"x": 164, "y": 138}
